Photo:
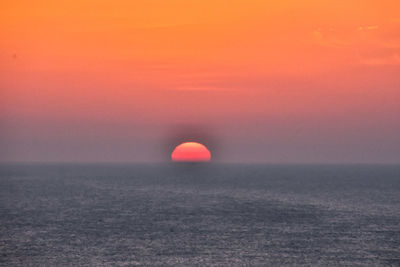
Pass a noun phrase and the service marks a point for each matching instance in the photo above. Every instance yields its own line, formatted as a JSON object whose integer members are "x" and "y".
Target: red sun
{"x": 191, "y": 151}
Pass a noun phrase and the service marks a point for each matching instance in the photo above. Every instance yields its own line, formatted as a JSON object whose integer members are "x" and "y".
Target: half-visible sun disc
{"x": 191, "y": 151}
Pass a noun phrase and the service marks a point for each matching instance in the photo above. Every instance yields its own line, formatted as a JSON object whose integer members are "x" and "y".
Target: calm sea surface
{"x": 199, "y": 214}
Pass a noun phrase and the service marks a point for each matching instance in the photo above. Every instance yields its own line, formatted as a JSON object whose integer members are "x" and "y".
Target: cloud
{"x": 330, "y": 38}
{"x": 368, "y": 28}
{"x": 374, "y": 45}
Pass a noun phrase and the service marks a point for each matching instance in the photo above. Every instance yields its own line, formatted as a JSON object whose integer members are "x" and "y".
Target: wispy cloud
{"x": 368, "y": 28}
{"x": 374, "y": 45}
{"x": 329, "y": 38}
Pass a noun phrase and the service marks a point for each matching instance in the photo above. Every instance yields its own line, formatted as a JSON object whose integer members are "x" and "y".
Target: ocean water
{"x": 199, "y": 214}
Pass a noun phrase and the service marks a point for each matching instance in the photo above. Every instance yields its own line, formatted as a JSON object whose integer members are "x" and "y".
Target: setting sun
{"x": 191, "y": 151}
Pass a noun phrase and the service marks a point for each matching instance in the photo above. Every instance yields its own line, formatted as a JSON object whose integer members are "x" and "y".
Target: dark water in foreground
{"x": 184, "y": 215}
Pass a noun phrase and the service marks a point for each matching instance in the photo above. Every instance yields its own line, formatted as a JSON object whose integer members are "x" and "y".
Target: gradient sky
{"x": 257, "y": 81}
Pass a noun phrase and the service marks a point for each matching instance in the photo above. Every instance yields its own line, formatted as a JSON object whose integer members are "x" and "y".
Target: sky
{"x": 255, "y": 81}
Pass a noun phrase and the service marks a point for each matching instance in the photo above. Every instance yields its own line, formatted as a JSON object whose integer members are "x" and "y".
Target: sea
{"x": 199, "y": 214}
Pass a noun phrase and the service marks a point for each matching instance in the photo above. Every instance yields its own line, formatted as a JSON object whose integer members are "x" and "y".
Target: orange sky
{"x": 274, "y": 81}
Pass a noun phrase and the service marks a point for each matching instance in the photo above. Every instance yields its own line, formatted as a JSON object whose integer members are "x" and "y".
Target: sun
{"x": 191, "y": 152}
